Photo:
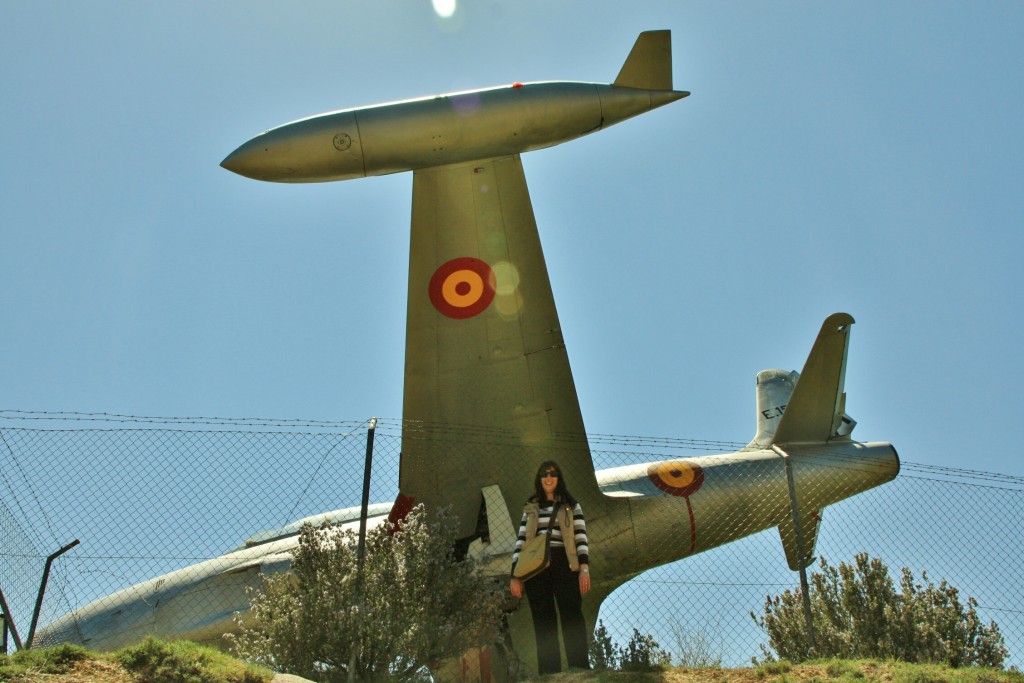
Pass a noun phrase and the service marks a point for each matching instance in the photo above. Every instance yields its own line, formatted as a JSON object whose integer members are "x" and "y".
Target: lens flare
{"x": 444, "y": 8}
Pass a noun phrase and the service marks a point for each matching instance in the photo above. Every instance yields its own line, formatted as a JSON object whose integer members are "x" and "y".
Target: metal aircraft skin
{"x": 488, "y": 389}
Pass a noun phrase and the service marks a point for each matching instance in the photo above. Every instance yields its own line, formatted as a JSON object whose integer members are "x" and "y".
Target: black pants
{"x": 558, "y": 584}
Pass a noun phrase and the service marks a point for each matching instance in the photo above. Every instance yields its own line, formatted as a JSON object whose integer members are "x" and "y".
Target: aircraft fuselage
{"x": 439, "y": 130}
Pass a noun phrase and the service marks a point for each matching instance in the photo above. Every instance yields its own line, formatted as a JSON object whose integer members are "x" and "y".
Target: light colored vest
{"x": 563, "y": 517}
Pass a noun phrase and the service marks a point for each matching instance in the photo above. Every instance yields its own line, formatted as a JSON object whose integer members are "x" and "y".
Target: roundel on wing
{"x": 676, "y": 477}
{"x": 462, "y": 287}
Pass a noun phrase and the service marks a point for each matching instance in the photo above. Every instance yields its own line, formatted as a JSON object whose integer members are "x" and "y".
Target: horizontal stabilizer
{"x": 808, "y": 534}
{"x": 501, "y": 535}
{"x": 814, "y": 413}
{"x": 497, "y": 534}
{"x": 649, "y": 65}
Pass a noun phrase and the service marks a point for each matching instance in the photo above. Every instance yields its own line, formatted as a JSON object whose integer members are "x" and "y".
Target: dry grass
{"x": 57, "y": 666}
{"x": 91, "y": 670}
{"x": 782, "y": 672}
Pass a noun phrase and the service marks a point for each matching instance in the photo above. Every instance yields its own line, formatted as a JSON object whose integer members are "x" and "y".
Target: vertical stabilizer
{"x": 489, "y": 393}
{"x": 649, "y": 65}
{"x": 774, "y": 387}
{"x": 815, "y": 413}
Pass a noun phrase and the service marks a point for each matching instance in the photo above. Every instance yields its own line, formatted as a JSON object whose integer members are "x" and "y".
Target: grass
{"x": 151, "y": 661}
{"x": 824, "y": 671}
{"x": 871, "y": 671}
{"x": 44, "y": 662}
{"x": 157, "y": 661}
{"x": 154, "y": 661}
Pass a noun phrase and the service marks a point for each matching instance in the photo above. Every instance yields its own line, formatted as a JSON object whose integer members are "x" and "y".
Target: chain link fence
{"x": 150, "y": 496}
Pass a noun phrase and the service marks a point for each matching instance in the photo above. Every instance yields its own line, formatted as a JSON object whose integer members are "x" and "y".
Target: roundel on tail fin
{"x": 462, "y": 287}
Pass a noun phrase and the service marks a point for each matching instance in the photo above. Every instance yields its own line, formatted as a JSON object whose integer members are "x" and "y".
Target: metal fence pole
{"x": 794, "y": 512}
{"x": 42, "y": 591}
{"x": 366, "y": 495}
{"x": 8, "y": 622}
{"x": 361, "y": 549}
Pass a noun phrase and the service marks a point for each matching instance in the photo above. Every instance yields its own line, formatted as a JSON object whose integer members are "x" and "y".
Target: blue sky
{"x": 841, "y": 156}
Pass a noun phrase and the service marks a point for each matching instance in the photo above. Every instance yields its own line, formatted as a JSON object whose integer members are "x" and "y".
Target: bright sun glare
{"x": 444, "y": 8}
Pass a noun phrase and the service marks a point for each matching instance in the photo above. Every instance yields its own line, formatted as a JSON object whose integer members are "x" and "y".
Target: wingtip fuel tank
{"x": 456, "y": 127}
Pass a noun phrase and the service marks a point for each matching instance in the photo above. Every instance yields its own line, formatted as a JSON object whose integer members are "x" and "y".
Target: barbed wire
{"x": 706, "y": 446}
{"x": 75, "y": 416}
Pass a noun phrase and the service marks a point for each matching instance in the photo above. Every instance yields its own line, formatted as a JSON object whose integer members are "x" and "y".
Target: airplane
{"x": 489, "y": 393}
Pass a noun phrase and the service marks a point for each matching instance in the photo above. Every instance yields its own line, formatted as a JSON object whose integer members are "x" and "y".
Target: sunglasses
{"x": 549, "y": 473}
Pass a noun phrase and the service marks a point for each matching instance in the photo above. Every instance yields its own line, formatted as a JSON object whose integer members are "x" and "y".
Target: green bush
{"x": 420, "y": 604}
{"x": 641, "y": 653}
{"x": 604, "y": 653}
{"x": 859, "y": 613}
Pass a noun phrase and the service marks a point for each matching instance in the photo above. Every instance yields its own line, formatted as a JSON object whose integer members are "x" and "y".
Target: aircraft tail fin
{"x": 649, "y": 65}
{"x": 489, "y": 393}
{"x": 815, "y": 412}
{"x": 774, "y": 387}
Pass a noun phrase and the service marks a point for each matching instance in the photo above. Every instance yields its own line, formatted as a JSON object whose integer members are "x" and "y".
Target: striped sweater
{"x": 545, "y": 525}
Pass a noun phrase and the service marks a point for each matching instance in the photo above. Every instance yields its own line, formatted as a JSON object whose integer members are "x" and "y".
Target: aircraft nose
{"x": 259, "y": 159}
{"x": 237, "y": 162}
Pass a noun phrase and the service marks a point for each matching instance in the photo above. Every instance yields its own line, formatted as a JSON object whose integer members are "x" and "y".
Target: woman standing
{"x": 552, "y": 510}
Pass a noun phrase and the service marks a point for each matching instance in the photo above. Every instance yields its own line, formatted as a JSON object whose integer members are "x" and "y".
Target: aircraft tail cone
{"x": 660, "y": 98}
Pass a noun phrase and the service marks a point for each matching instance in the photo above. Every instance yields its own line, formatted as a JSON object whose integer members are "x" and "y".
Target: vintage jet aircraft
{"x": 488, "y": 389}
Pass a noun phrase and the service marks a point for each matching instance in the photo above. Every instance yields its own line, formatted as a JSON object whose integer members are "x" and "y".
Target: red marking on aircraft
{"x": 679, "y": 478}
{"x": 399, "y": 511}
{"x": 676, "y": 477}
{"x": 462, "y": 288}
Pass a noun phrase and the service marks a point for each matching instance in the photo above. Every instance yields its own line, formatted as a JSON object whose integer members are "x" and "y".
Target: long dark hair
{"x": 561, "y": 491}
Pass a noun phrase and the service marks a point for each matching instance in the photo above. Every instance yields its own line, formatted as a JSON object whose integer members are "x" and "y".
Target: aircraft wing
{"x": 488, "y": 390}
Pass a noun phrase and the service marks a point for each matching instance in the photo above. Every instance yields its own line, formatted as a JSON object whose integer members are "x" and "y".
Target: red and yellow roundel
{"x": 462, "y": 287}
{"x": 676, "y": 477}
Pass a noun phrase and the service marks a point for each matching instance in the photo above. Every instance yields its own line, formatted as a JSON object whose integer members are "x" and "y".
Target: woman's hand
{"x": 584, "y": 579}
{"x": 516, "y": 586}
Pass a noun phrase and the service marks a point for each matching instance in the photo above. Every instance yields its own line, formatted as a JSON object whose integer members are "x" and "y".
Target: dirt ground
{"x": 98, "y": 671}
{"x": 91, "y": 670}
{"x": 689, "y": 676}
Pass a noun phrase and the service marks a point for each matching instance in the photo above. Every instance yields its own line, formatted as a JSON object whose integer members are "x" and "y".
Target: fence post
{"x": 42, "y": 591}
{"x": 794, "y": 513}
{"x": 361, "y": 549}
{"x": 8, "y": 623}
